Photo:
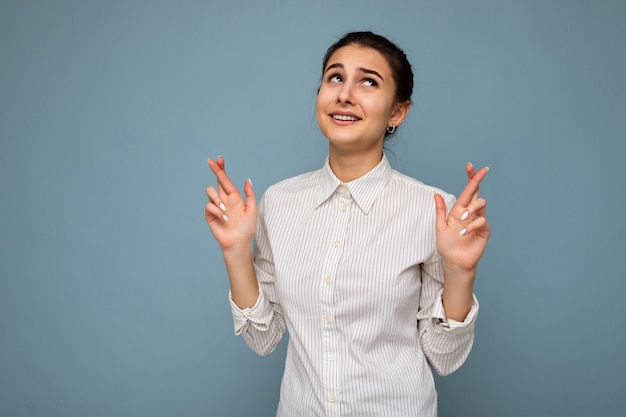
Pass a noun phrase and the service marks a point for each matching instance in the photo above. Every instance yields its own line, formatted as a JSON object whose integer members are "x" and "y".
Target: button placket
{"x": 336, "y": 251}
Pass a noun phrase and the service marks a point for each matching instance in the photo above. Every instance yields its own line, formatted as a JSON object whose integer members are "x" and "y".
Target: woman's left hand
{"x": 462, "y": 235}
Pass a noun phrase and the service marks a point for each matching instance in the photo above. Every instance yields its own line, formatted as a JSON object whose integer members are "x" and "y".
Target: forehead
{"x": 360, "y": 57}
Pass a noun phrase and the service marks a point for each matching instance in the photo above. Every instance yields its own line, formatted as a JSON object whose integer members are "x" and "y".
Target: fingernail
{"x": 222, "y": 206}
{"x": 463, "y": 232}
{"x": 465, "y": 215}
{"x": 470, "y": 164}
{"x": 224, "y": 217}
{"x": 250, "y": 181}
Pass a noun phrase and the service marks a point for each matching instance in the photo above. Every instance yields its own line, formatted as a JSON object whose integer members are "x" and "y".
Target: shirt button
{"x": 247, "y": 313}
{"x": 344, "y": 189}
{"x": 328, "y": 319}
{"x": 332, "y": 356}
{"x": 332, "y": 398}
{"x": 336, "y": 243}
{"x": 328, "y": 280}
{"x": 344, "y": 208}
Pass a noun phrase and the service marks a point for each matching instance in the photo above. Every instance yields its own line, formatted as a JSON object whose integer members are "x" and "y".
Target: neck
{"x": 350, "y": 166}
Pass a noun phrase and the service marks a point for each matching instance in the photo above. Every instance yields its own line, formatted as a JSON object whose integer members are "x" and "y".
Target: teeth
{"x": 344, "y": 118}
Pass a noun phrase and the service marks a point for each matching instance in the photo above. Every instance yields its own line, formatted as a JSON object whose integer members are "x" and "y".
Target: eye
{"x": 370, "y": 82}
{"x": 335, "y": 78}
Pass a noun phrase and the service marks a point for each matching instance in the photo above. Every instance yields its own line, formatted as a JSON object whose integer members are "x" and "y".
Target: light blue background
{"x": 113, "y": 295}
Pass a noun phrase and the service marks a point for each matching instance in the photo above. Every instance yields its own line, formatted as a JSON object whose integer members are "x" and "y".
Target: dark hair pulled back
{"x": 396, "y": 58}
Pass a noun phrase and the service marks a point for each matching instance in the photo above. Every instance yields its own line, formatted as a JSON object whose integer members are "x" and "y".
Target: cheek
{"x": 376, "y": 107}
{"x": 323, "y": 95}
{"x": 318, "y": 109}
{"x": 321, "y": 104}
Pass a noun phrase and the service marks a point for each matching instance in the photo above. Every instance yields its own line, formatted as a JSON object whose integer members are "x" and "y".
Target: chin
{"x": 340, "y": 134}
{"x": 340, "y": 139}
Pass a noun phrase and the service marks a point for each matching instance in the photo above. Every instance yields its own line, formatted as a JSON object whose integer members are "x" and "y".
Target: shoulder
{"x": 417, "y": 189}
{"x": 292, "y": 188}
{"x": 295, "y": 184}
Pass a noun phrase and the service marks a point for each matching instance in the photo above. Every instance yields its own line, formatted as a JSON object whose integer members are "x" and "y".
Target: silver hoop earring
{"x": 391, "y": 129}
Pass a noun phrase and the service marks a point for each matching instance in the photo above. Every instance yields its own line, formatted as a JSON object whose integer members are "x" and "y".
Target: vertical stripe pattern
{"x": 351, "y": 272}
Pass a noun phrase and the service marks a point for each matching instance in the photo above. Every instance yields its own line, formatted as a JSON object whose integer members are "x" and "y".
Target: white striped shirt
{"x": 351, "y": 271}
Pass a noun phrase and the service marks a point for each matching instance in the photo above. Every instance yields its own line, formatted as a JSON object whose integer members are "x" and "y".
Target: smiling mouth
{"x": 344, "y": 118}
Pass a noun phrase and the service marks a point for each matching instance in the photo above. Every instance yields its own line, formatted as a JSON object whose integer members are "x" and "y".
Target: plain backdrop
{"x": 113, "y": 294}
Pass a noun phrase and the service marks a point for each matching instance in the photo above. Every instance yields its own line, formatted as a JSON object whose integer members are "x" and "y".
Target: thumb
{"x": 440, "y": 213}
{"x": 250, "y": 195}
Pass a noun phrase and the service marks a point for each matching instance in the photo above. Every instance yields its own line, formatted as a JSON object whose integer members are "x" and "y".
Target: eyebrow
{"x": 362, "y": 69}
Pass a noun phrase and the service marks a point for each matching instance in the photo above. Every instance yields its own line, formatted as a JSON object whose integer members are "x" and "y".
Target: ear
{"x": 399, "y": 113}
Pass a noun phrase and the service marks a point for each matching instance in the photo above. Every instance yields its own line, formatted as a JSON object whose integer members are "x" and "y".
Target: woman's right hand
{"x": 231, "y": 219}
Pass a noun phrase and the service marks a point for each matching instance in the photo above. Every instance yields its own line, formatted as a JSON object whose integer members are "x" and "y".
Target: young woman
{"x": 370, "y": 271}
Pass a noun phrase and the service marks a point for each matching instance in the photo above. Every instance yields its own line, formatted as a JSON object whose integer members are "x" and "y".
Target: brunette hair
{"x": 396, "y": 58}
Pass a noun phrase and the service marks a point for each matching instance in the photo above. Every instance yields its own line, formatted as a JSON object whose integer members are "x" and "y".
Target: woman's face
{"x": 356, "y": 101}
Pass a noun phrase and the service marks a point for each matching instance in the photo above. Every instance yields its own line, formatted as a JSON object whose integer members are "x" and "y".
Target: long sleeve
{"x": 446, "y": 343}
{"x": 263, "y": 325}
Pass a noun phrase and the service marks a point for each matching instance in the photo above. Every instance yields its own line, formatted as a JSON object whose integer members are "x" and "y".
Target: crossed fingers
{"x": 470, "y": 208}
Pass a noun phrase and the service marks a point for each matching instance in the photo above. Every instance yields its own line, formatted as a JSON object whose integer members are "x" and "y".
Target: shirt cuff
{"x": 439, "y": 315}
{"x": 259, "y": 315}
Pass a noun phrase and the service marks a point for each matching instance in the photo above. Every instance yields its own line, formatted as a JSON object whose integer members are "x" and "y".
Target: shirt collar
{"x": 364, "y": 190}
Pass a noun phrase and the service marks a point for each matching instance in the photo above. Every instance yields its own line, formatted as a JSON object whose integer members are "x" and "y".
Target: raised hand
{"x": 462, "y": 235}
{"x": 231, "y": 218}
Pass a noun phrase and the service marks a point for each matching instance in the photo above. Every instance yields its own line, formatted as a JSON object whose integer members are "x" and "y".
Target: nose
{"x": 345, "y": 94}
